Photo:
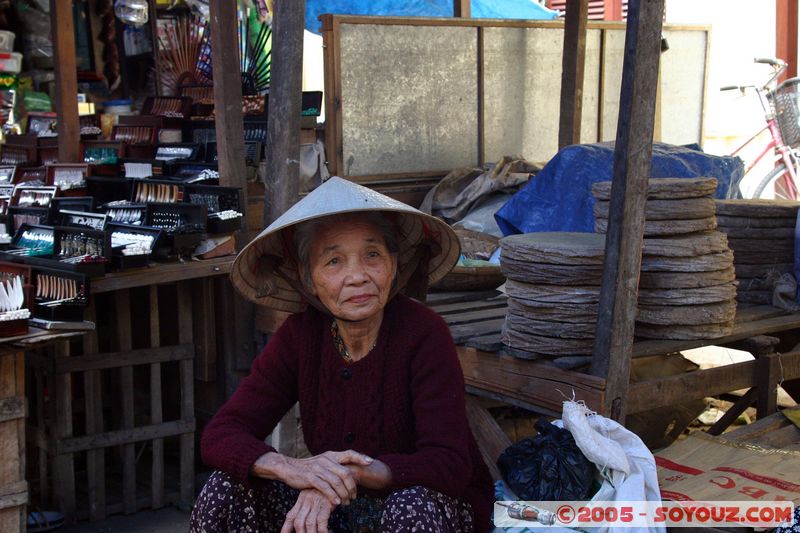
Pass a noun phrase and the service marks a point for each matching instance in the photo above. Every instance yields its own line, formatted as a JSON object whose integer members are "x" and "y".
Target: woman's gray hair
{"x": 305, "y": 232}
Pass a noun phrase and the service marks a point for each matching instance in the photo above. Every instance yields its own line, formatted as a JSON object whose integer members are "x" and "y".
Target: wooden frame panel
{"x": 598, "y": 86}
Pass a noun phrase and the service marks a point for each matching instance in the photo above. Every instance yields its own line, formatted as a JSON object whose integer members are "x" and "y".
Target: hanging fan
{"x": 183, "y": 47}
{"x": 254, "y": 57}
{"x": 255, "y": 50}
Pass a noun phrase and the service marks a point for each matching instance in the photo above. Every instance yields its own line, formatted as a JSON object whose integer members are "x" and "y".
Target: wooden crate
{"x": 112, "y": 426}
{"x": 13, "y": 487}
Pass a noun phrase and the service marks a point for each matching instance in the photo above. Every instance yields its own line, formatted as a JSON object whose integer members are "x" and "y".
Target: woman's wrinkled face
{"x": 351, "y": 269}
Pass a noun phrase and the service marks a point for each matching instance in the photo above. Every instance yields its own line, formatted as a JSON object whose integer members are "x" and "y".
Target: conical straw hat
{"x": 265, "y": 271}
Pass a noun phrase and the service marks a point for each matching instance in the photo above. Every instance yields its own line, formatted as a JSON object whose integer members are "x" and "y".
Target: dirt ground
{"x": 167, "y": 520}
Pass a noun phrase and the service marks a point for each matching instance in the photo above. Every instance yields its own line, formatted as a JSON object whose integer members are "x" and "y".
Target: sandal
{"x": 39, "y": 521}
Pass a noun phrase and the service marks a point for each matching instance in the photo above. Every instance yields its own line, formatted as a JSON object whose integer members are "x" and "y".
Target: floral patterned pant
{"x": 227, "y": 505}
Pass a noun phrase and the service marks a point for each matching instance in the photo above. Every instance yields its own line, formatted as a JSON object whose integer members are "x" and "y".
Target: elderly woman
{"x": 376, "y": 374}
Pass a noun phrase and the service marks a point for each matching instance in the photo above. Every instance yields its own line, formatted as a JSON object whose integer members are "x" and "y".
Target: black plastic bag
{"x": 547, "y": 467}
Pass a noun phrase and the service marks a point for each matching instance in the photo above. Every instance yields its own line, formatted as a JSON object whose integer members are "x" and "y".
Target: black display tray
{"x": 71, "y": 311}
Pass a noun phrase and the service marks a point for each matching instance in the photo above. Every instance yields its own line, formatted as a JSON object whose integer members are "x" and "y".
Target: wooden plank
{"x": 742, "y": 330}
{"x": 462, "y": 8}
{"x": 632, "y": 159}
{"x": 126, "y": 437}
{"x": 40, "y": 422}
{"x": 95, "y": 459}
{"x": 492, "y": 440}
{"x": 454, "y": 319}
{"x": 185, "y": 335}
{"x": 125, "y": 344}
{"x": 741, "y": 405}
{"x": 283, "y": 124}
{"x": 333, "y": 107}
{"x": 229, "y": 120}
{"x": 671, "y": 390}
{"x": 786, "y": 35}
{"x": 487, "y": 343}
{"x": 537, "y": 383}
{"x": 464, "y": 332}
{"x": 13, "y": 495}
{"x": 435, "y": 299}
{"x": 481, "y": 96}
{"x": 130, "y": 358}
{"x": 733, "y": 413}
{"x": 205, "y": 339}
{"x": 163, "y": 273}
{"x": 446, "y": 309}
{"x": 779, "y": 438}
{"x": 62, "y": 29}
{"x": 63, "y": 481}
{"x": 768, "y": 373}
{"x": 573, "y": 60}
{"x": 156, "y": 409}
{"x": 758, "y": 428}
{"x": 510, "y": 400}
{"x": 12, "y": 408}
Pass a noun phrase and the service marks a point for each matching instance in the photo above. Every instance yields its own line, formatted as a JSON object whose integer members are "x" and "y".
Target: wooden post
{"x": 66, "y": 72}
{"x": 462, "y": 8}
{"x": 572, "y": 66}
{"x": 229, "y": 121}
{"x": 786, "y": 35}
{"x": 283, "y": 125}
{"x": 632, "y": 159}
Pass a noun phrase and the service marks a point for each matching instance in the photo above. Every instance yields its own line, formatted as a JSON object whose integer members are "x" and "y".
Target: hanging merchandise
{"x": 183, "y": 48}
{"x": 255, "y": 50}
{"x": 132, "y": 12}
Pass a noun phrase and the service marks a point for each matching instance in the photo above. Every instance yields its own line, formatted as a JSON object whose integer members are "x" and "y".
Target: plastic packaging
{"x": 559, "y": 197}
{"x": 10, "y": 62}
{"x": 7, "y": 40}
{"x": 132, "y": 12}
{"x": 549, "y": 466}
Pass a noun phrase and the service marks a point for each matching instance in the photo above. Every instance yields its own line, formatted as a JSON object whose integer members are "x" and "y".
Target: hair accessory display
{"x": 225, "y": 215}
{"x": 12, "y": 297}
{"x": 56, "y": 290}
{"x": 126, "y": 216}
{"x": 34, "y": 242}
{"x": 34, "y": 198}
{"x": 156, "y": 192}
{"x": 132, "y": 243}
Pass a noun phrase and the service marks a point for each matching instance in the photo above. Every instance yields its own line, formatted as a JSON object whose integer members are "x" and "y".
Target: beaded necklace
{"x": 338, "y": 342}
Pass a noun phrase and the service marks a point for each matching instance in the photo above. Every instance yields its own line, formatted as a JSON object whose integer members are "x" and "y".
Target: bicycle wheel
{"x": 777, "y": 185}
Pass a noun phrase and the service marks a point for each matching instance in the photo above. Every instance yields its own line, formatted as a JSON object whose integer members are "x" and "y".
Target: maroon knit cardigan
{"x": 403, "y": 404}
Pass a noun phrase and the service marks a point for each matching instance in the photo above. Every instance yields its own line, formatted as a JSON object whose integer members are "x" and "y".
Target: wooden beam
{"x": 66, "y": 73}
{"x": 462, "y": 8}
{"x": 632, "y": 159}
{"x": 786, "y": 35}
{"x": 229, "y": 121}
{"x": 492, "y": 440}
{"x": 283, "y": 125}
{"x": 572, "y": 67}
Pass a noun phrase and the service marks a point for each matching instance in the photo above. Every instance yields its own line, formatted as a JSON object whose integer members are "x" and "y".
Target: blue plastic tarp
{"x": 559, "y": 197}
{"x": 502, "y": 9}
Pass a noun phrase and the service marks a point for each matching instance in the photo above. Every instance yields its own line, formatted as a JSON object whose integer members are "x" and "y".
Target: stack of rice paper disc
{"x": 761, "y": 235}
{"x": 687, "y": 286}
{"x": 662, "y": 215}
{"x": 553, "y": 290}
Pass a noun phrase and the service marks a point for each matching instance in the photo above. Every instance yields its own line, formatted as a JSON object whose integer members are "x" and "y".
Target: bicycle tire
{"x": 767, "y": 185}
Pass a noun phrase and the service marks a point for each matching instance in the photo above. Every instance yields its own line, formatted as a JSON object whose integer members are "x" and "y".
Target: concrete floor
{"x": 167, "y": 520}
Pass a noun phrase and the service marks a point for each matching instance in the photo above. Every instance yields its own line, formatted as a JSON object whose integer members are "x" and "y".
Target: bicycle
{"x": 781, "y": 105}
